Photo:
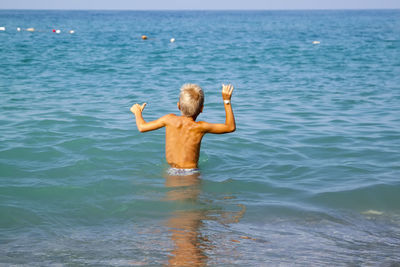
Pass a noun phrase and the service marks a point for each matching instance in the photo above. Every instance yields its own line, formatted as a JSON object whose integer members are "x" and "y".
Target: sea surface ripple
{"x": 310, "y": 177}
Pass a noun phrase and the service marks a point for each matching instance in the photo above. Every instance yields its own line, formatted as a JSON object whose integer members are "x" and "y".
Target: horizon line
{"x": 289, "y": 9}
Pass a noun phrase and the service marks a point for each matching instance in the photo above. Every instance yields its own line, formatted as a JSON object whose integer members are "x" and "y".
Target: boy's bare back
{"x": 182, "y": 141}
{"x": 183, "y": 134}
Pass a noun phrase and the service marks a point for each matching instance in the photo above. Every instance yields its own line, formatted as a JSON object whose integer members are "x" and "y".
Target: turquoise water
{"x": 311, "y": 175}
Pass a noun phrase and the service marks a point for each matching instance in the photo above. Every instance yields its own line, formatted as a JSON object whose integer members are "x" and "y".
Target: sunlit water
{"x": 311, "y": 175}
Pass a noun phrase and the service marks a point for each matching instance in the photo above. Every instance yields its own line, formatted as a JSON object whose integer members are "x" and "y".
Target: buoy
{"x": 2, "y": 28}
{"x": 58, "y": 31}
{"x": 316, "y": 42}
{"x": 71, "y": 31}
{"x": 18, "y": 29}
{"x": 54, "y": 30}
{"x": 30, "y": 29}
{"x": 144, "y": 37}
{"x": 172, "y": 40}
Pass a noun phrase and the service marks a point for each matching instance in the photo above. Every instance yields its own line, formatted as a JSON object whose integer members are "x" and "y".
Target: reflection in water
{"x": 184, "y": 225}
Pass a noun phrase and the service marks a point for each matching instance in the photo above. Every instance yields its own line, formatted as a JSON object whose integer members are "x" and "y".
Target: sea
{"x": 310, "y": 177}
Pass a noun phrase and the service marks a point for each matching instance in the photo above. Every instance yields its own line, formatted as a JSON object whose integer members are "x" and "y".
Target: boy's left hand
{"x": 227, "y": 91}
{"x": 138, "y": 108}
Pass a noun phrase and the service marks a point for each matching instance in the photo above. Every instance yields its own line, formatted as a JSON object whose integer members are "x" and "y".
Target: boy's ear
{"x": 179, "y": 106}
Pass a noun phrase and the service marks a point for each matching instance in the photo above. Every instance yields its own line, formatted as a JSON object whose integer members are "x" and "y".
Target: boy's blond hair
{"x": 191, "y": 99}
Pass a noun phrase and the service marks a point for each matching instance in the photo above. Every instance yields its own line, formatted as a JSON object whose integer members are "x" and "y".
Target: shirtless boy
{"x": 183, "y": 133}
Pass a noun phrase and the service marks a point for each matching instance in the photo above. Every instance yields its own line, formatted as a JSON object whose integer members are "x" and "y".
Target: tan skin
{"x": 183, "y": 134}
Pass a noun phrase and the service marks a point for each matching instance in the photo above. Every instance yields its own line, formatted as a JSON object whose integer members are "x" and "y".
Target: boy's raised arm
{"x": 141, "y": 124}
{"x": 229, "y": 125}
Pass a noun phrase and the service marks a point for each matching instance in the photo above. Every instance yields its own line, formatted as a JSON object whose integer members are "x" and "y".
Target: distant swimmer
{"x": 2, "y": 28}
{"x": 183, "y": 134}
{"x": 144, "y": 37}
{"x": 30, "y": 29}
{"x": 58, "y": 31}
{"x": 316, "y": 42}
{"x": 71, "y": 31}
{"x": 172, "y": 40}
{"x": 18, "y": 29}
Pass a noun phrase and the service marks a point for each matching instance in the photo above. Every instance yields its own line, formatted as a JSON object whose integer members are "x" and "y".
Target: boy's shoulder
{"x": 169, "y": 118}
{"x": 173, "y": 119}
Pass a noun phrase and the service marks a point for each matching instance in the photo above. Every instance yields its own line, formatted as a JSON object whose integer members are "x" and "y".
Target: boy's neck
{"x": 190, "y": 117}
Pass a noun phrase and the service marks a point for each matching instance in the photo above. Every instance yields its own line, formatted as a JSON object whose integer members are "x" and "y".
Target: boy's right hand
{"x": 227, "y": 91}
{"x": 138, "y": 108}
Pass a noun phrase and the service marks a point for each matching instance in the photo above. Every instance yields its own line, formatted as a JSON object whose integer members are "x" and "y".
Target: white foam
{"x": 372, "y": 212}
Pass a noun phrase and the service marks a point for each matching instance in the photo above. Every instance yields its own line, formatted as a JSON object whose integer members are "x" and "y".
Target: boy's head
{"x": 191, "y": 100}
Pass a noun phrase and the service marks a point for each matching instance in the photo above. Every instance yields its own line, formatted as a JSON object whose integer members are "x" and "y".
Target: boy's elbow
{"x": 141, "y": 127}
{"x": 232, "y": 129}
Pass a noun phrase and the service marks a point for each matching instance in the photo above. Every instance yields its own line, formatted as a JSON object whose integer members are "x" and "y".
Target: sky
{"x": 199, "y": 4}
